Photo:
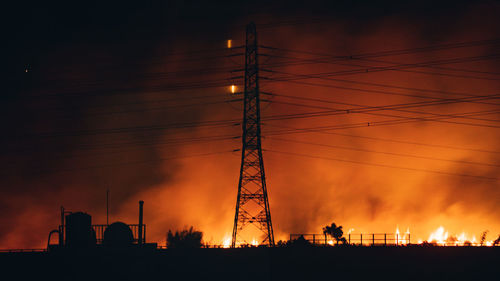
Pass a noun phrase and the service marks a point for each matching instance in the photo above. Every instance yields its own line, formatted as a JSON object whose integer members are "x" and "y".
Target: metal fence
{"x": 99, "y": 230}
{"x": 385, "y": 239}
{"x": 23, "y": 250}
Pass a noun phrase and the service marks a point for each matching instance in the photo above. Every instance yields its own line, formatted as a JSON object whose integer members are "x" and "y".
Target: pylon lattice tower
{"x": 252, "y": 204}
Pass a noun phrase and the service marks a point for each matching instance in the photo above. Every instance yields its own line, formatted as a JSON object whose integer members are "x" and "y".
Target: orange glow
{"x": 255, "y": 242}
{"x": 441, "y": 237}
{"x": 402, "y": 239}
{"x": 305, "y": 194}
{"x": 226, "y": 242}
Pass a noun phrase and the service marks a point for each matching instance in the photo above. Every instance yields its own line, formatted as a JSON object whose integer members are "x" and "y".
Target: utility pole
{"x": 252, "y": 204}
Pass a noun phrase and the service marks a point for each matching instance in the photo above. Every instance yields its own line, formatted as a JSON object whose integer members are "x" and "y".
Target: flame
{"x": 255, "y": 242}
{"x": 233, "y": 89}
{"x": 442, "y": 237}
{"x": 402, "y": 239}
{"x": 226, "y": 242}
{"x": 439, "y": 236}
{"x": 229, "y": 43}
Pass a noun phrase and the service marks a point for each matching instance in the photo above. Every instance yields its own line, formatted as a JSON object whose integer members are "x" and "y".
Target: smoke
{"x": 44, "y": 169}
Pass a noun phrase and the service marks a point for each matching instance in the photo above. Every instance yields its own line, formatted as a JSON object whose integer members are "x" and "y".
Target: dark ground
{"x": 309, "y": 263}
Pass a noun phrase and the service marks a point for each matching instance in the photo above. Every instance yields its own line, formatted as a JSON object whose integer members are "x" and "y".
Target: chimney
{"x": 140, "y": 239}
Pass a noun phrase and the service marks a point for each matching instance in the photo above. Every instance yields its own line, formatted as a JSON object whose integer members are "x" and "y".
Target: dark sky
{"x": 92, "y": 87}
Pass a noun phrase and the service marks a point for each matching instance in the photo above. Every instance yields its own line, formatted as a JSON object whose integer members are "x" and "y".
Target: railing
{"x": 23, "y": 250}
{"x": 379, "y": 239}
{"x": 99, "y": 230}
{"x": 357, "y": 239}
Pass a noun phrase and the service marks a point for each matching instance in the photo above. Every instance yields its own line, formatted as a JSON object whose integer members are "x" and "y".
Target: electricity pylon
{"x": 252, "y": 204}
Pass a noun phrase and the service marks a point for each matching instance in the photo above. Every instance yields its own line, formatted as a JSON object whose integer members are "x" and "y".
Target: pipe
{"x": 61, "y": 228}
{"x": 141, "y": 207}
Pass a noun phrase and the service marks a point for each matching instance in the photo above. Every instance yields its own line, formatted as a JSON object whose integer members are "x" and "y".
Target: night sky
{"x": 134, "y": 98}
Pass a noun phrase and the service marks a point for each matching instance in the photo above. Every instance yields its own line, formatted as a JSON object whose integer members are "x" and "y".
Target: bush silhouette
{"x": 299, "y": 242}
{"x": 497, "y": 241}
{"x": 483, "y": 237}
{"x": 185, "y": 239}
{"x": 334, "y": 231}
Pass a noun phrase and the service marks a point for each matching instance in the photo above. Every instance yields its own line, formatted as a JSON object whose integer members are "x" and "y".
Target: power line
{"x": 351, "y": 88}
{"x": 386, "y": 86}
{"x": 327, "y": 112}
{"x": 211, "y": 123}
{"x": 365, "y": 124}
{"x": 369, "y": 110}
{"x": 135, "y": 162}
{"x": 398, "y": 52}
{"x": 396, "y": 107}
{"x": 386, "y": 153}
{"x": 374, "y": 69}
{"x": 111, "y": 148}
{"x": 396, "y": 141}
{"x": 328, "y": 131}
{"x": 380, "y": 165}
{"x": 401, "y": 67}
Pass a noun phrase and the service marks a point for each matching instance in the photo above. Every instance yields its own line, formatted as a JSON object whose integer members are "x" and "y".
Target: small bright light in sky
{"x": 233, "y": 89}
{"x": 229, "y": 43}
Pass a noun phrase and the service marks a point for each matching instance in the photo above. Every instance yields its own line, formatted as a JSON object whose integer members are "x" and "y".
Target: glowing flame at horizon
{"x": 441, "y": 237}
{"x": 226, "y": 242}
{"x": 255, "y": 242}
{"x": 233, "y": 89}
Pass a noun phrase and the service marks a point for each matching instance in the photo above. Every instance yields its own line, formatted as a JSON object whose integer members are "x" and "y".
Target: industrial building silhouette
{"x": 77, "y": 232}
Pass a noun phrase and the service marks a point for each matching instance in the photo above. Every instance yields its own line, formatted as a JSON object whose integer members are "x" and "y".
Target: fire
{"x": 229, "y": 44}
{"x": 439, "y": 236}
{"x": 402, "y": 239}
{"x": 442, "y": 237}
{"x": 255, "y": 242}
{"x": 226, "y": 242}
{"x": 233, "y": 89}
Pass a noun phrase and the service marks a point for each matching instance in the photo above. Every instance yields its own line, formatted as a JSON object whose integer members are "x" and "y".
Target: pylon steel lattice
{"x": 252, "y": 205}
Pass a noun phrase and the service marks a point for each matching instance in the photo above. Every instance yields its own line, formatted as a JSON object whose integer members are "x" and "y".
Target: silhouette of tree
{"x": 282, "y": 243}
{"x": 343, "y": 240}
{"x": 187, "y": 238}
{"x": 483, "y": 237}
{"x": 334, "y": 231}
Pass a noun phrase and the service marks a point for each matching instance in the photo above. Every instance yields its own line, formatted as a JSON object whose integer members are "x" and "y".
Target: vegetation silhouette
{"x": 497, "y": 241}
{"x": 335, "y": 231}
{"x": 483, "y": 237}
{"x": 185, "y": 239}
{"x": 300, "y": 242}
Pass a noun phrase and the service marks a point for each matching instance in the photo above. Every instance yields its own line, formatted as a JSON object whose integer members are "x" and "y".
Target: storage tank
{"x": 79, "y": 232}
{"x": 118, "y": 235}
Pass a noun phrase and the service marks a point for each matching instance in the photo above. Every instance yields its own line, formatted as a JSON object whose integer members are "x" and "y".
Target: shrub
{"x": 187, "y": 238}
